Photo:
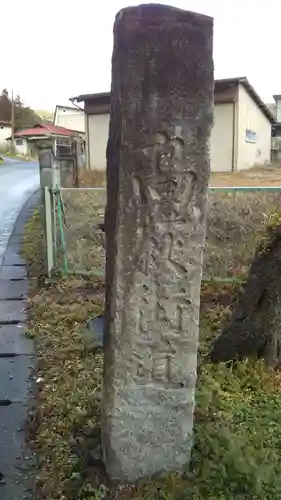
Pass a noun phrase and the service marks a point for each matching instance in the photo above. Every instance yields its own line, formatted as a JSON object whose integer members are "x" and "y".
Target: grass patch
{"x": 17, "y": 156}
{"x": 235, "y": 226}
{"x": 91, "y": 178}
{"x": 237, "y": 443}
{"x": 68, "y": 415}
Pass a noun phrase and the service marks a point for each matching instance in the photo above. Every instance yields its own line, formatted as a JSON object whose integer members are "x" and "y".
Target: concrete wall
{"x": 73, "y": 119}
{"x": 222, "y": 138}
{"x": 97, "y": 136}
{"x": 254, "y": 133}
{"x": 5, "y": 132}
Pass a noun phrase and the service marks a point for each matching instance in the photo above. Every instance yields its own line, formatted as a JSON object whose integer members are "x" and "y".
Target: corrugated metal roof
{"x": 44, "y": 129}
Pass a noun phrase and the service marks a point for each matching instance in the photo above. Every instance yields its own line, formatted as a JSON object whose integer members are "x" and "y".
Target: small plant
{"x": 88, "y": 492}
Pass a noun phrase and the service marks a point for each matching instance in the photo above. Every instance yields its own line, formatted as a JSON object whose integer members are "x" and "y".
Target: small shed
{"x": 63, "y": 141}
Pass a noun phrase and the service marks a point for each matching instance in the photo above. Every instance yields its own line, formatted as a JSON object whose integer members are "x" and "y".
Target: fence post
{"x": 48, "y": 230}
{"x": 49, "y": 178}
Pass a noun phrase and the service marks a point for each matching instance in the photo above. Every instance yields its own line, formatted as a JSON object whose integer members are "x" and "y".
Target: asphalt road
{"x": 18, "y": 180}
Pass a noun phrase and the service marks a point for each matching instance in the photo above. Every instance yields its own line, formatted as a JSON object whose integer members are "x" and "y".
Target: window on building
{"x": 19, "y": 142}
{"x": 251, "y": 136}
{"x": 63, "y": 146}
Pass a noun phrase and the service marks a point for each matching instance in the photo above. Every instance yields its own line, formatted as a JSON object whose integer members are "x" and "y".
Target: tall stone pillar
{"x": 157, "y": 177}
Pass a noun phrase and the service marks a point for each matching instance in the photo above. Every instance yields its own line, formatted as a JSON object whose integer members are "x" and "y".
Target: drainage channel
{"x": 7, "y": 474}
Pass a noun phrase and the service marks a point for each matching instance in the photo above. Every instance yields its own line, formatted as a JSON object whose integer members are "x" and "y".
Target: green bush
{"x": 237, "y": 443}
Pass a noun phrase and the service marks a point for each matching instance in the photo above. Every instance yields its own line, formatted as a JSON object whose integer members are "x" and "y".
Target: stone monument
{"x": 157, "y": 177}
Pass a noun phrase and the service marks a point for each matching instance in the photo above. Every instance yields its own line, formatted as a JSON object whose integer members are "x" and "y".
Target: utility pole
{"x": 13, "y": 123}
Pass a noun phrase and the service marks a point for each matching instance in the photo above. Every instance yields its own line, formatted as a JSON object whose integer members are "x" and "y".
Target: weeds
{"x": 237, "y": 444}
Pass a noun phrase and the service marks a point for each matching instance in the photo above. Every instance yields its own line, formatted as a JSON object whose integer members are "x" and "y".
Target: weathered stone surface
{"x": 157, "y": 176}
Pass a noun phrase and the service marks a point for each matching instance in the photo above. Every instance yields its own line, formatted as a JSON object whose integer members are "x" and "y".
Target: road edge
{"x": 17, "y": 364}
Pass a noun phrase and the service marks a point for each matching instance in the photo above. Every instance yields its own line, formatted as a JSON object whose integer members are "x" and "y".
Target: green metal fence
{"x": 236, "y": 222}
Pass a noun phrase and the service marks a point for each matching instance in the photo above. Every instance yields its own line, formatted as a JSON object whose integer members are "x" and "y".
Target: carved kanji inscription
{"x": 157, "y": 176}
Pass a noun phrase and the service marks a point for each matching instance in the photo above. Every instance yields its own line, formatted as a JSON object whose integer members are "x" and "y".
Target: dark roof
{"x": 93, "y": 97}
{"x": 242, "y": 80}
{"x": 5, "y": 123}
{"x": 104, "y": 97}
{"x": 272, "y": 106}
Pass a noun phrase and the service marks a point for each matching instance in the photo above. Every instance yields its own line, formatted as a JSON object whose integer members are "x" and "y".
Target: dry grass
{"x": 84, "y": 210}
{"x": 67, "y": 419}
{"x": 257, "y": 176}
{"x": 235, "y": 224}
{"x": 91, "y": 178}
{"x": 237, "y": 436}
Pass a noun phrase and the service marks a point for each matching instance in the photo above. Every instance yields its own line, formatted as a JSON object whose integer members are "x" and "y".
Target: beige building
{"x": 241, "y": 136}
{"x": 70, "y": 117}
{"x": 96, "y": 108}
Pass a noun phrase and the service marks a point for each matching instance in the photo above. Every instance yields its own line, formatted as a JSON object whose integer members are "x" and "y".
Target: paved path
{"x": 18, "y": 180}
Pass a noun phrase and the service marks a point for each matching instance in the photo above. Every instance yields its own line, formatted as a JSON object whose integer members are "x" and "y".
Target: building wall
{"x": 98, "y": 127}
{"x": 278, "y": 110}
{"x": 5, "y": 132}
{"x": 222, "y": 138}
{"x": 254, "y": 133}
{"x": 21, "y": 146}
{"x": 231, "y": 147}
{"x": 73, "y": 119}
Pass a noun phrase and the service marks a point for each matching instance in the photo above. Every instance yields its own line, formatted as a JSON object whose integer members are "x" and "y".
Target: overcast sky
{"x": 57, "y": 49}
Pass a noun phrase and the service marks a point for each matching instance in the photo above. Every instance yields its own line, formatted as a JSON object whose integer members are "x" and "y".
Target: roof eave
{"x": 242, "y": 80}
{"x": 257, "y": 98}
{"x": 87, "y": 97}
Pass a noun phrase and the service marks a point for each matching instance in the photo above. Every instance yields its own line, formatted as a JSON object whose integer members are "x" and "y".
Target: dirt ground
{"x": 257, "y": 176}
